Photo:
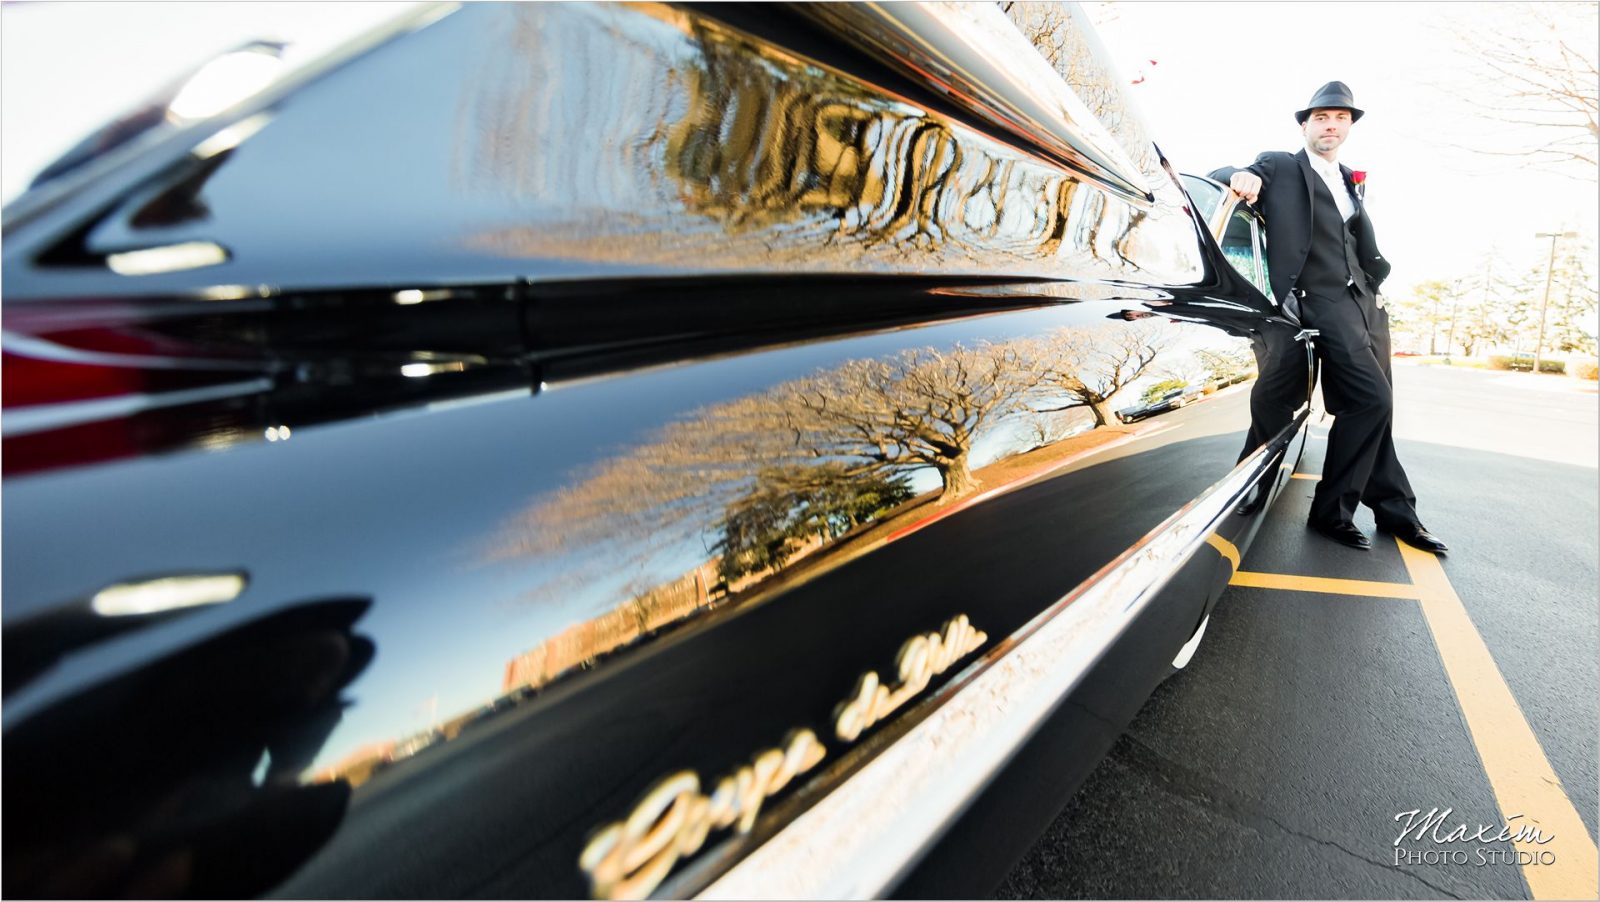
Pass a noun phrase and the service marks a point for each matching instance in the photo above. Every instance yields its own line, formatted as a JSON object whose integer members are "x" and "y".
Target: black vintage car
{"x": 558, "y": 450}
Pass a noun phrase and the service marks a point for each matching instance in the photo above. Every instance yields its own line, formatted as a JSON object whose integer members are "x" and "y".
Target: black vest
{"x": 1333, "y": 262}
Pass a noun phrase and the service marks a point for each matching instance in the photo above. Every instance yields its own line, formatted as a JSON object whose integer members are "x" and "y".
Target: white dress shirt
{"x": 1335, "y": 182}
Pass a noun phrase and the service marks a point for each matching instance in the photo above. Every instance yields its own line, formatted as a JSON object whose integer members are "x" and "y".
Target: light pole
{"x": 1549, "y": 269}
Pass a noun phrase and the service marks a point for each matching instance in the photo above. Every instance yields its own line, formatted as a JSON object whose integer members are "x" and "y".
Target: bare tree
{"x": 1537, "y": 73}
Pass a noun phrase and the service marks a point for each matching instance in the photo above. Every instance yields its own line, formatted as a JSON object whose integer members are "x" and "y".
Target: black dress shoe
{"x": 1343, "y": 533}
{"x": 1417, "y": 536}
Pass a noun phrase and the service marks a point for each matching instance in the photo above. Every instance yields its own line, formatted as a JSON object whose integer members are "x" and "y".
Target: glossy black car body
{"x": 568, "y": 449}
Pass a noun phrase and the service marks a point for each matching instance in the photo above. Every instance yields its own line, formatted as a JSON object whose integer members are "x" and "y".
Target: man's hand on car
{"x": 1246, "y": 184}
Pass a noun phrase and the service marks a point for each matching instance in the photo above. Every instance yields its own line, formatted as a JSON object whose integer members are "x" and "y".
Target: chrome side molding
{"x": 980, "y": 61}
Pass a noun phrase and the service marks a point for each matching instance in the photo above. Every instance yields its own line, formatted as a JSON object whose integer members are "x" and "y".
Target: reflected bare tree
{"x": 1089, "y": 367}
{"x": 759, "y": 479}
{"x": 920, "y": 408}
{"x": 835, "y": 444}
{"x": 763, "y": 480}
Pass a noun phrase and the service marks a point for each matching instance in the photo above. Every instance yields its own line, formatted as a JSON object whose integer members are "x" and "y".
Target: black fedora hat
{"x": 1332, "y": 96}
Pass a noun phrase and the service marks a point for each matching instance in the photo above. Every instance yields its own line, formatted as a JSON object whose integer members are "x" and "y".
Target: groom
{"x": 1325, "y": 270}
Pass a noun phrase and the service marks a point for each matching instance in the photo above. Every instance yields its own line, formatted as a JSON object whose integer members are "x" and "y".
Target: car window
{"x": 1205, "y": 194}
{"x": 1239, "y": 246}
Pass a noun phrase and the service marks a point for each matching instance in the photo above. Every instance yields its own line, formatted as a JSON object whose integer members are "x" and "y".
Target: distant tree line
{"x": 1497, "y": 308}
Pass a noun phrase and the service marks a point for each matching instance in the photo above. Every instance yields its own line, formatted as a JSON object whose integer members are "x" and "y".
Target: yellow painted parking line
{"x": 1226, "y": 548}
{"x": 1325, "y": 585}
{"x": 1525, "y": 785}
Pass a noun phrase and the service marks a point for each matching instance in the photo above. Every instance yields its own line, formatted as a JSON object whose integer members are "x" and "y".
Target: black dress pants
{"x": 1357, "y": 386}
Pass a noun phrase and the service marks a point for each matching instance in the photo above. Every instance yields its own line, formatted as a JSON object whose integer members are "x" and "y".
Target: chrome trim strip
{"x": 856, "y": 842}
{"x": 976, "y": 57}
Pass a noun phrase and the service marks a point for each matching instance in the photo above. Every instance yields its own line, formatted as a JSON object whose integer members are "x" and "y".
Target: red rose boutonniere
{"x": 1358, "y": 178}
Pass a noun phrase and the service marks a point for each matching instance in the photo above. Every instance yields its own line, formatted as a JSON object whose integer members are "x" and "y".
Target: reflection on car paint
{"x": 777, "y": 162}
{"x": 144, "y": 786}
{"x": 808, "y": 473}
{"x": 546, "y": 475}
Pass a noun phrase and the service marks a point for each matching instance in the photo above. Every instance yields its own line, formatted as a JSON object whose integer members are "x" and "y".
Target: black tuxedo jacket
{"x": 1288, "y": 184}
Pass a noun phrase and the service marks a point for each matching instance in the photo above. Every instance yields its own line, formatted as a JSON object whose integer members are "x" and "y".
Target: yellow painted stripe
{"x": 1324, "y": 585}
{"x": 1311, "y": 476}
{"x": 1524, "y": 783}
{"x": 1226, "y": 548}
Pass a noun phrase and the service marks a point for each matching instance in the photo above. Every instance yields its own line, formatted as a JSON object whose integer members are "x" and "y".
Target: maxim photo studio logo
{"x": 1431, "y": 839}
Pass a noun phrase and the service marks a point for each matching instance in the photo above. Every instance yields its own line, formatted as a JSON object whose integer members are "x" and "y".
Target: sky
{"x": 1228, "y": 78}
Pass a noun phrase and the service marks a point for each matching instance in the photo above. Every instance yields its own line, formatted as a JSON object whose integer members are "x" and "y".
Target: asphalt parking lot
{"x": 1337, "y": 690}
